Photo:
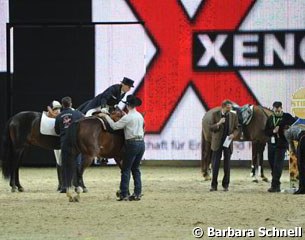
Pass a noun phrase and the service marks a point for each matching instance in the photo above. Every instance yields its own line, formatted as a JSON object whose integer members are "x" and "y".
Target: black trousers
{"x": 301, "y": 160}
{"x": 276, "y": 157}
{"x": 216, "y": 156}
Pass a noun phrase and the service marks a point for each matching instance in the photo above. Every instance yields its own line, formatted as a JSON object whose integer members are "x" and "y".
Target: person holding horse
{"x": 62, "y": 123}
{"x": 224, "y": 127}
{"x": 277, "y": 145}
{"x": 133, "y": 125}
{"x": 108, "y": 99}
{"x": 53, "y": 109}
{"x": 297, "y": 133}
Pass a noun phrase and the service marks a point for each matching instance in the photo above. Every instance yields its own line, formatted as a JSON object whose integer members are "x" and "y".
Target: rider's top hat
{"x": 128, "y": 82}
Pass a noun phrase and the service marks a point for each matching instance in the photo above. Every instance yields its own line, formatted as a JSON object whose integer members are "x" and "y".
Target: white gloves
{"x": 105, "y": 110}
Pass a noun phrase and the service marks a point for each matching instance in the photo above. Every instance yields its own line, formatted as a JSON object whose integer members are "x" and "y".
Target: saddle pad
{"x": 47, "y": 125}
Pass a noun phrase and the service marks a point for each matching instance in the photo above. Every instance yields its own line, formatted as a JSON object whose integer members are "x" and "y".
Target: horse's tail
{"x": 7, "y": 153}
{"x": 69, "y": 151}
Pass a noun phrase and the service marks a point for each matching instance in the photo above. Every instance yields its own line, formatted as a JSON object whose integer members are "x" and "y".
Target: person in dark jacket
{"x": 224, "y": 127}
{"x": 109, "y": 98}
{"x": 66, "y": 118}
{"x": 277, "y": 145}
{"x": 62, "y": 123}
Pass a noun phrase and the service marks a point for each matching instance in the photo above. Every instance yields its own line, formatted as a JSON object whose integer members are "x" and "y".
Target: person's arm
{"x": 215, "y": 126}
{"x": 289, "y": 120}
{"x": 119, "y": 124}
{"x": 57, "y": 127}
{"x": 107, "y": 94}
{"x": 51, "y": 114}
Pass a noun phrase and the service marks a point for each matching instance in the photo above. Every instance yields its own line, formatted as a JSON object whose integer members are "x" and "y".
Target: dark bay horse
{"x": 91, "y": 138}
{"x": 252, "y": 131}
{"x": 21, "y": 131}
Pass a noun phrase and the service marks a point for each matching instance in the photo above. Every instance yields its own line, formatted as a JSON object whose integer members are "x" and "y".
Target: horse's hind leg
{"x": 83, "y": 163}
{"x": 206, "y": 161}
{"x": 260, "y": 154}
{"x": 14, "y": 180}
{"x": 258, "y": 161}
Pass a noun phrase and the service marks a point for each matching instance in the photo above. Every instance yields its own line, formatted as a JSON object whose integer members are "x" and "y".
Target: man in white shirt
{"x": 133, "y": 125}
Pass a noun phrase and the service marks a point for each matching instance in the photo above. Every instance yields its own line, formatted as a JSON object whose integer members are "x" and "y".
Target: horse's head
{"x": 117, "y": 114}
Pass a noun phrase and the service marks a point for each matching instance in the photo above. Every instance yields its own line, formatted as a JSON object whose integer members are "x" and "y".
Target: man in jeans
{"x": 277, "y": 145}
{"x": 133, "y": 125}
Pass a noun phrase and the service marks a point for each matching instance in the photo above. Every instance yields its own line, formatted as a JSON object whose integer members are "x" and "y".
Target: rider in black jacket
{"x": 110, "y": 97}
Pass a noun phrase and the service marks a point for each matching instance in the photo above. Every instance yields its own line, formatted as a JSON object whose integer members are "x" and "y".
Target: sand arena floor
{"x": 176, "y": 199}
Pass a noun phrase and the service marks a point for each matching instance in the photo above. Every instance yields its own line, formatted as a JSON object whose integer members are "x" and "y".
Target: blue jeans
{"x": 134, "y": 151}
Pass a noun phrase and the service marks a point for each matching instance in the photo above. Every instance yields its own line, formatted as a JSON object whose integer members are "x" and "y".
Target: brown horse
{"x": 252, "y": 131}
{"x": 21, "y": 131}
{"x": 91, "y": 138}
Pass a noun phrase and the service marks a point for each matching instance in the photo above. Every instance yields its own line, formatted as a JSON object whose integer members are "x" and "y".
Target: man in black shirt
{"x": 66, "y": 118}
{"x": 277, "y": 145}
{"x": 62, "y": 123}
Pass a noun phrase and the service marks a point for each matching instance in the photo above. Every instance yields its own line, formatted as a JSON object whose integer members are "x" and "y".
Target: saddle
{"x": 106, "y": 126}
{"x": 47, "y": 125}
{"x": 244, "y": 114}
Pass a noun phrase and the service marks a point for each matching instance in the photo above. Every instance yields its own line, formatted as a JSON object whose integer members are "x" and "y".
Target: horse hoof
{"x": 255, "y": 180}
{"x": 207, "y": 178}
{"x": 76, "y": 198}
{"x": 78, "y": 189}
{"x": 21, "y": 189}
{"x": 13, "y": 190}
{"x": 264, "y": 179}
{"x": 85, "y": 190}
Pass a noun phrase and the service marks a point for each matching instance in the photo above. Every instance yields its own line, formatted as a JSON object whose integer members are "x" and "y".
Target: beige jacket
{"x": 217, "y": 130}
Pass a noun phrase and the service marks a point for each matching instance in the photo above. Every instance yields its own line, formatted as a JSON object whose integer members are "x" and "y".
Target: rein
{"x": 262, "y": 108}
